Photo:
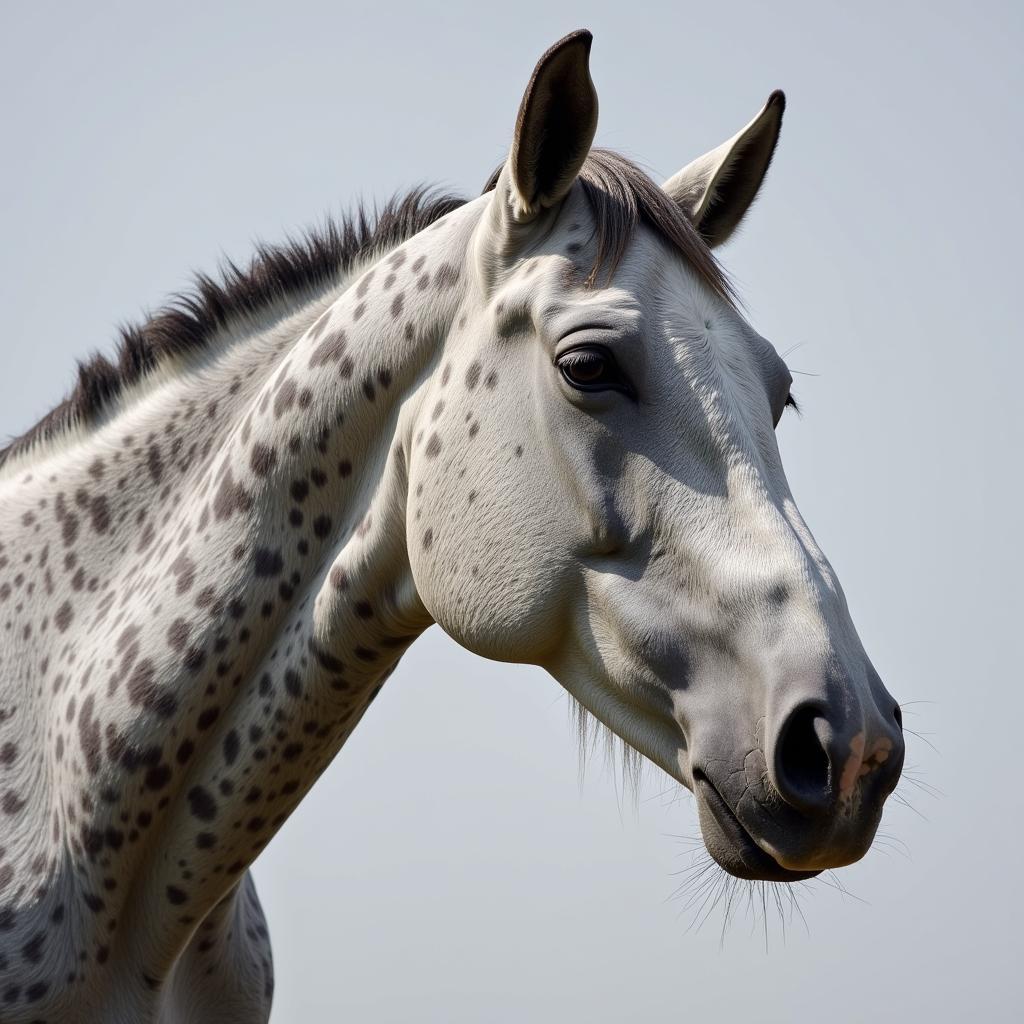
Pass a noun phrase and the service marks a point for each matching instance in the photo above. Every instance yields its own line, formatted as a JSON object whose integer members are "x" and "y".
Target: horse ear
{"x": 716, "y": 190}
{"x": 555, "y": 127}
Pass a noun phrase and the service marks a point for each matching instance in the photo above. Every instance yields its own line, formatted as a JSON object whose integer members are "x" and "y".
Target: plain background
{"x": 449, "y": 867}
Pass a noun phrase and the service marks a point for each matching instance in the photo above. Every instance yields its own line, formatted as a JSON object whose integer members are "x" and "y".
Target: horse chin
{"x": 731, "y": 846}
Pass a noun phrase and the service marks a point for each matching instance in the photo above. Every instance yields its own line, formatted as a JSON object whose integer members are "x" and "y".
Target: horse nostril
{"x": 802, "y": 767}
{"x": 897, "y": 713}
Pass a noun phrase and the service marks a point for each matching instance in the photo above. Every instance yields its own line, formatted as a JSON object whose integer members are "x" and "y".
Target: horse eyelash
{"x": 792, "y": 403}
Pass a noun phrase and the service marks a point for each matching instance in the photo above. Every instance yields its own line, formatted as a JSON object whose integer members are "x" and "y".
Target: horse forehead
{"x": 650, "y": 290}
{"x": 564, "y": 305}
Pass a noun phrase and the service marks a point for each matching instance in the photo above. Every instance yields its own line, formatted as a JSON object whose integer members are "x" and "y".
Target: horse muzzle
{"x": 812, "y": 803}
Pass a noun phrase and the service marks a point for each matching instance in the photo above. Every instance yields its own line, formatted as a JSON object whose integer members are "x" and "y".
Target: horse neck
{"x": 219, "y": 585}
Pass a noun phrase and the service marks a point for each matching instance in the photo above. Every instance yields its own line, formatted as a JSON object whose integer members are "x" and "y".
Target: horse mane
{"x": 191, "y": 320}
{"x": 621, "y": 196}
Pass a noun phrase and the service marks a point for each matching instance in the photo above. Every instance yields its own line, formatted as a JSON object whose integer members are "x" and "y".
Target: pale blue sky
{"x": 448, "y": 867}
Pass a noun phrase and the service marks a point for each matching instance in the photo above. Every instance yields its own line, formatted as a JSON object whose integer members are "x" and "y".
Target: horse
{"x": 536, "y": 418}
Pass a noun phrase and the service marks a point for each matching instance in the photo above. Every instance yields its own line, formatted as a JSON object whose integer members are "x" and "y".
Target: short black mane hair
{"x": 191, "y": 320}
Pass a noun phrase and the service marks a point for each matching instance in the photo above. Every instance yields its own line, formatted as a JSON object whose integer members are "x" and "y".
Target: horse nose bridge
{"x": 790, "y": 546}
{"x": 771, "y": 537}
{"x": 748, "y": 538}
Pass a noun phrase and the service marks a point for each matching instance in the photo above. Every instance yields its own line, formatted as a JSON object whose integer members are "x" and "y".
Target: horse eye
{"x": 591, "y": 368}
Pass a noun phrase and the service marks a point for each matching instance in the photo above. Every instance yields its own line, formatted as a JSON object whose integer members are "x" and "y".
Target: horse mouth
{"x": 731, "y": 845}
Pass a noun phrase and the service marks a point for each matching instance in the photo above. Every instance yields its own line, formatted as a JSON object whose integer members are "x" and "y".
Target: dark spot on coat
{"x": 330, "y": 350}
{"x": 262, "y": 459}
{"x": 158, "y": 776}
{"x": 231, "y": 497}
{"x": 201, "y": 804}
{"x": 62, "y": 619}
{"x": 32, "y": 951}
{"x": 446, "y": 276}
{"x": 144, "y": 690}
{"x": 178, "y": 634}
{"x": 99, "y": 510}
{"x": 206, "y": 718}
{"x": 36, "y": 991}
{"x": 89, "y": 735}
{"x": 285, "y": 398}
{"x": 155, "y": 463}
{"x": 267, "y": 562}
